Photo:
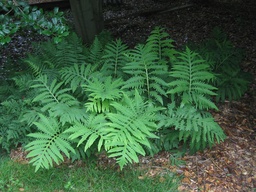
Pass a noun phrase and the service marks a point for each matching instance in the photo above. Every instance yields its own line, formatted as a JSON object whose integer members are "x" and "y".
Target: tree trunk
{"x": 88, "y": 18}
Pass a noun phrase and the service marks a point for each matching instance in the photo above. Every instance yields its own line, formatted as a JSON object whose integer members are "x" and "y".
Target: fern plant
{"x": 49, "y": 143}
{"x": 76, "y": 75}
{"x": 115, "y": 58}
{"x": 50, "y": 94}
{"x": 160, "y": 42}
{"x": 192, "y": 75}
{"x": 12, "y": 131}
{"x": 192, "y": 126}
{"x": 14, "y": 104}
{"x": 87, "y": 102}
{"x": 123, "y": 132}
{"x": 192, "y": 90}
{"x": 101, "y": 93}
{"x": 146, "y": 73}
{"x": 225, "y": 62}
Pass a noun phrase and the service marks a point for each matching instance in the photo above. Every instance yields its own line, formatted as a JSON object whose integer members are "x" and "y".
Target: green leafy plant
{"x": 19, "y": 15}
{"x": 145, "y": 73}
{"x": 126, "y": 102}
{"x": 12, "y": 131}
{"x": 128, "y": 128}
{"x": 14, "y": 104}
{"x": 115, "y": 57}
{"x": 49, "y": 143}
{"x": 191, "y": 85}
{"x": 194, "y": 127}
{"x": 101, "y": 93}
{"x": 225, "y": 60}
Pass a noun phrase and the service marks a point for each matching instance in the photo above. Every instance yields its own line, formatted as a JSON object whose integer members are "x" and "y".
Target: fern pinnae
{"x": 76, "y": 75}
{"x": 145, "y": 72}
{"x": 50, "y": 141}
{"x": 90, "y": 129}
{"x": 102, "y": 92}
{"x": 130, "y": 126}
{"x": 114, "y": 54}
{"x": 35, "y": 65}
{"x": 160, "y": 42}
{"x": 50, "y": 93}
{"x": 189, "y": 82}
{"x": 95, "y": 52}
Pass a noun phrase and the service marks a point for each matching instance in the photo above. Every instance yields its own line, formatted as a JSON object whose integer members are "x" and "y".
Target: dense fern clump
{"x": 106, "y": 97}
{"x": 225, "y": 60}
{"x": 14, "y": 104}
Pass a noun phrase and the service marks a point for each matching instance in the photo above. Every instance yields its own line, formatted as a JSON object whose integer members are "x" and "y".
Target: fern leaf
{"x": 114, "y": 56}
{"x": 51, "y": 94}
{"x": 95, "y": 52}
{"x": 102, "y": 92}
{"x": 231, "y": 85}
{"x": 146, "y": 73}
{"x": 49, "y": 144}
{"x": 76, "y": 75}
{"x": 195, "y": 127}
{"x": 68, "y": 113}
{"x": 160, "y": 42}
{"x": 191, "y": 81}
{"x": 89, "y": 131}
{"x": 129, "y": 129}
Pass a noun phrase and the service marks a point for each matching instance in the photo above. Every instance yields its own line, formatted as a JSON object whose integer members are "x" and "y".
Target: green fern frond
{"x": 49, "y": 145}
{"x": 191, "y": 81}
{"x": 102, "y": 92}
{"x": 95, "y": 52}
{"x": 231, "y": 85}
{"x": 69, "y": 51}
{"x": 76, "y": 75}
{"x": 146, "y": 73}
{"x": 52, "y": 93}
{"x": 67, "y": 55}
{"x": 90, "y": 130}
{"x": 129, "y": 129}
{"x": 225, "y": 60}
{"x": 36, "y": 65}
{"x": 67, "y": 113}
{"x": 195, "y": 127}
{"x": 24, "y": 82}
{"x": 31, "y": 116}
{"x": 114, "y": 56}
{"x": 160, "y": 42}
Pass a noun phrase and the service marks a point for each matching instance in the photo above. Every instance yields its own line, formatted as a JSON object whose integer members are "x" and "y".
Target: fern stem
{"x": 147, "y": 78}
{"x": 190, "y": 72}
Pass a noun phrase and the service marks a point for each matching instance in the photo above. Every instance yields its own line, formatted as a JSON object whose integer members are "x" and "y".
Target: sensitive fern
{"x": 192, "y": 75}
{"x": 146, "y": 73}
{"x": 90, "y": 100}
{"x": 88, "y": 131}
{"x": 130, "y": 128}
{"x": 160, "y": 42}
{"x": 225, "y": 61}
{"x": 195, "y": 127}
{"x": 101, "y": 93}
{"x": 114, "y": 57}
{"x": 49, "y": 145}
{"x": 51, "y": 93}
{"x": 76, "y": 75}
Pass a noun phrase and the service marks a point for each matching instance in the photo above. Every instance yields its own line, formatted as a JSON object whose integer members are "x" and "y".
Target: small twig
{"x": 149, "y": 12}
{"x": 177, "y": 8}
